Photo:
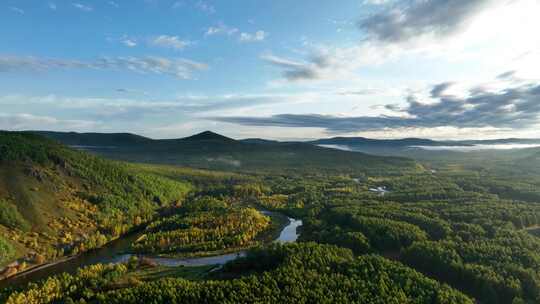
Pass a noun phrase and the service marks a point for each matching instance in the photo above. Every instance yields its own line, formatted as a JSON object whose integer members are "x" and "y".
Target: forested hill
{"x": 56, "y": 201}
{"x": 95, "y": 139}
{"x": 412, "y": 142}
{"x": 213, "y": 151}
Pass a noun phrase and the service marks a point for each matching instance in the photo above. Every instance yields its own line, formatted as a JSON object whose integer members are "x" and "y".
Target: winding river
{"x": 114, "y": 252}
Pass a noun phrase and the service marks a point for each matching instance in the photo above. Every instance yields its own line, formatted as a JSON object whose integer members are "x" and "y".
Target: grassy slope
{"x": 66, "y": 200}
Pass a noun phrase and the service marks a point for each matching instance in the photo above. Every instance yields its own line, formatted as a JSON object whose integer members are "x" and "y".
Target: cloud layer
{"x": 25, "y": 121}
{"x": 514, "y": 107}
{"x": 180, "y": 67}
{"x": 129, "y": 109}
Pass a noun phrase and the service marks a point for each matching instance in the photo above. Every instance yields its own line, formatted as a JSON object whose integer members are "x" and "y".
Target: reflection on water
{"x": 111, "y": 253}
{"x": 289, "y": 233}
{"x": 114, "y": 252}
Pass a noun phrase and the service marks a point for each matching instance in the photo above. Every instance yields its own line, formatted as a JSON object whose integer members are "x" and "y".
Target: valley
{"x": 185, "y": 229}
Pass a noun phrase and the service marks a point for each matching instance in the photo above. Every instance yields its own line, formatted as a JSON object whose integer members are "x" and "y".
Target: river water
{"x": 114, "y": 252}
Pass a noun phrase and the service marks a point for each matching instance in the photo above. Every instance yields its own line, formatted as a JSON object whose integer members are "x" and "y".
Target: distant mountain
{"x": 208, "y": 136}
{"x": 414, "y": 142}
{"x": 214, "y": 151}
{"x": 132, "y": 140}
{"x": 361, "y": 141}
{"x": 259, "y": 141}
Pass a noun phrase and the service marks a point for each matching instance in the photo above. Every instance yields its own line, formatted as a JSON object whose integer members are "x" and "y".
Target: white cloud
{"x": 473, "y": 30}
{"x": 113, "y": 4}
{"x": 479, "y": 45}
{"x": 25, "y": 121}
{"x": 82, "y": 7}
{"x": 52, "y": 6}
{"x": 173, "y": 42}
{"x": 257, "y": 36}
{"x": 194, "y": 105}
{"x": 409, "y": 20}
{"x": 328, "y": 63}
{"x": 205, "y": 7}
{"x": 376, "y": 2}
{"x": 294, "y": 70}
{"x": 17, "y": 10}
{"x": 129, "y": 42}
{"x": 221, "y": 29}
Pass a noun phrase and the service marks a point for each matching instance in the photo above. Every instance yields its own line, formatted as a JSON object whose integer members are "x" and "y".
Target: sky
{"x": 277, "y": 69}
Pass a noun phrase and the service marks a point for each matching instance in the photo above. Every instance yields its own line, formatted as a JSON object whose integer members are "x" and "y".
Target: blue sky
{"x": 273, "y": 69}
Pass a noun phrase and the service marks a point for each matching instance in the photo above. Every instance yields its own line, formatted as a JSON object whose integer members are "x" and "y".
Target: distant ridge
{"x": 95, "y": 139}
{"x": 411, "y": 142}
{"x": 207, "y": 136}
{"x": 209, "y": 150}
{"x": 129, "y": 139}
{"x": 362, "y": 141}
{"x": 259, "y": 141}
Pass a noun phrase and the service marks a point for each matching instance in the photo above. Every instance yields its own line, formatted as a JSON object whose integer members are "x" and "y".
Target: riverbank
{"x": 278, "y": 222}
{"x": 38, "y": 267}
{"x": 115, "y": 252}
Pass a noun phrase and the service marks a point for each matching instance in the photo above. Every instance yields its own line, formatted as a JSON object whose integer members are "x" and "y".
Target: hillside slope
{"x": 56, "y": 201}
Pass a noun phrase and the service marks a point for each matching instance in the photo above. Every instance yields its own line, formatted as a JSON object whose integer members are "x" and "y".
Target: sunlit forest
{"x": 442, "y": 232}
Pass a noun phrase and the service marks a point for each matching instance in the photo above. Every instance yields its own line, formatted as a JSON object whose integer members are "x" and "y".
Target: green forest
{"x": 205, "y": 225}
{"x": 447, "y": 231}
